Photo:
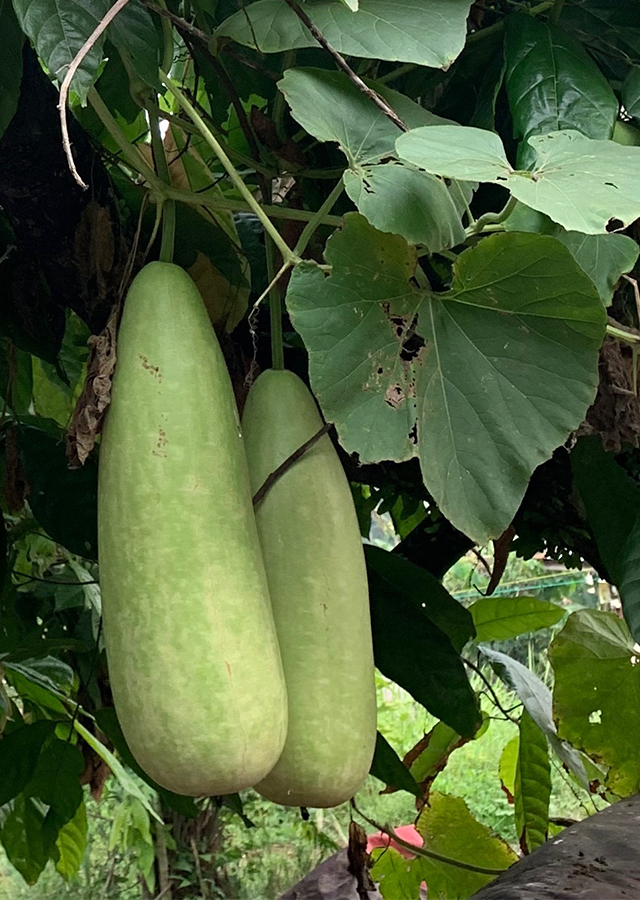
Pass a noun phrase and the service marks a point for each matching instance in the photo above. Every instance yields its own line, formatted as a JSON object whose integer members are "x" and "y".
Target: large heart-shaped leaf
{"x": 477, "y": 370}
{"x": 429, "y": 32}
{"x": 579, "y": 183}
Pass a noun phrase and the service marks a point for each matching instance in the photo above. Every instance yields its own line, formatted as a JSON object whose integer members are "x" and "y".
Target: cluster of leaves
{"x": 470, "y": 259}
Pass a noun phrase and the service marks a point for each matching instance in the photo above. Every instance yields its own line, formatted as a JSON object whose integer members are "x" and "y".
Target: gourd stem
{"x": 317, "y": 219}
{"x": 556, "y": 9}
{"x": 275, "y": 309}
{"x": 169, "y": 206}
{"x": 167, "y": 40}
{"x": 270, "y": 229}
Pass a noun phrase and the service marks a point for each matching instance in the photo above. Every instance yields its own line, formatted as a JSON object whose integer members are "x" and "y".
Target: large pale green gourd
{"x": 193, "y": 657}
{"x": 317, "y": 580}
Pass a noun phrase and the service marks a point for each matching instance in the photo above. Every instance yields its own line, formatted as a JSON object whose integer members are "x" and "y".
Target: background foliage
{"x": 448, "y": 194}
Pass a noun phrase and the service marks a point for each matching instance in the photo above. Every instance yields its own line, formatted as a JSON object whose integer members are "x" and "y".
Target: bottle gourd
{"x": 318, "y": 584}
{"x": 193, "y": 657}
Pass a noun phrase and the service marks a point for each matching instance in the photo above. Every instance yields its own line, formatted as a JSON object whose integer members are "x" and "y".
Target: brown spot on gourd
{"x": 153, "y": 370}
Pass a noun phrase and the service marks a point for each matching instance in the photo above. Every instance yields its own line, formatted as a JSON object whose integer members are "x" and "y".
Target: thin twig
{"x": 289, "y": 461}
{"x": 181, "y": 24}
{"x": 423, "y": 852}
{"x": 51, "y": 580}
{"x": 100, "y": 28}
{"x": 494, "y": 696}
{"x": 341, "y": 62}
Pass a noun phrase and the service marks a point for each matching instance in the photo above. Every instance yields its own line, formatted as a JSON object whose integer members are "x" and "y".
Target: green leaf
{"x": 134, "y": 33}
{"x": 604, "y": 257}
{"x": 71, "y": 843}
{"x": 431, "y": 33}
{"x": 318, "y": 99}
{"x": 56, "y": 780}
{"x": 395, "y": 198}
{"x": 127, "y": 781}
{"x": 58, "y": 29}
{"x": 389, "y": 768}
{"x": 631, "y": 92}
{"x": 108, "y": 723}
{"x": 448, "y": 828}
{"x": 399, "y": 878}
{"x": 612, "y": 503}
{"x": 411, "y": 650}
{"x": 438, "y": 744}
{"x": 580, "y": 183}
{"x": 64, "y": 501}
{"x": 10, "y": 64}
{"x": 532, "y": 785}
{"x": 553, "y": 84}
{"x": 402, "y": 200}
{"x": 508, "y": 766}
{"x": 537, "y": 700}
{"x": 502, "y": 618}
{"x": 19, "y": 752}
{"x": 24, "y": 838}
{"x": 478, "y": 368}
{"x": 425, "y": 593}
{"x": 16, "y": 383}
{"x": 596, "y": 697}
{"x": 47, "y": 671}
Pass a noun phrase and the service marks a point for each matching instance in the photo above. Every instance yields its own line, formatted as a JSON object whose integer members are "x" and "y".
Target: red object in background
{"x": 407, "y": 833}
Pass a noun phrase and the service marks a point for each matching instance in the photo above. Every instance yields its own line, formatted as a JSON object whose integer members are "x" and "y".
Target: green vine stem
{"x": 630, "y": 337}
{"x": 492, "y": 218}
{"x": 275, "y": 308}
{"x": 131, "y": 154}
{"x": 318, "y": 218}
{"x": 169, "y": 206}
{"x": 197, "y": 120}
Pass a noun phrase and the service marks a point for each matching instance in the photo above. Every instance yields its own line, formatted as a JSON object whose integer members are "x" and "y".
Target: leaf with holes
{"x": 429, "y": 32}
{"x": 579, "y": 183}
{"x": 477, "y": 369}
{"x": 597, "y": 678}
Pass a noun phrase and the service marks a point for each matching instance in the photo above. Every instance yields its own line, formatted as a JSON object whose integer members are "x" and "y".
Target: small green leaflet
{"x": 502, "y": 618}
{"x": 475, "y": 370}
{"x": 579, "y": 183}
{"x": 395, "y": 198}
{"x": 553, "y": 84}
{"x": 597, "y": 678}
{"x": 426, "y": 32}
{"x": 532, "y": 785}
